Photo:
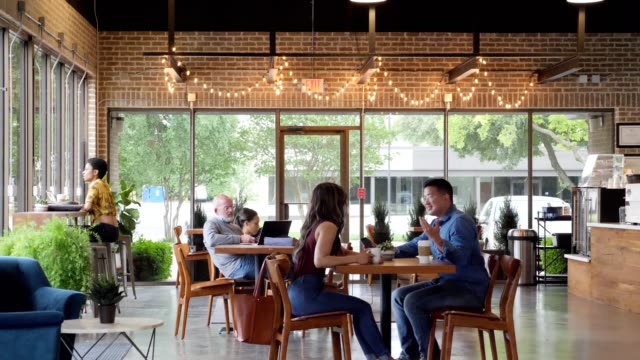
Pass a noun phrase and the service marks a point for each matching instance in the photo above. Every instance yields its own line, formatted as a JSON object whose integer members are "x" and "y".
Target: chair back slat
{"x": 511, "y": 268}
{"x": 492, "y": 266}
{"x": 277, "y": 267}
{"x": 178, "y": 231}
{"x": 179, "y": 250}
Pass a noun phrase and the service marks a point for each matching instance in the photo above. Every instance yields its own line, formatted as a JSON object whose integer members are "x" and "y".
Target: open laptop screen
{"x": 274, "y": 229}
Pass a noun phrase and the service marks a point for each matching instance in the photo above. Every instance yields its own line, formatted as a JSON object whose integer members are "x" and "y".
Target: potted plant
{"x": 381, "y": 230}
{"x": 418, "y": 211}
{"x": 106, "y": 294}
{"x": 151, "y": 259}
{"x": 507, "y": 220}
{"x": 41, "y": 204}
{"x": 388, "y": 250}
{"x": 199, "y": 269}
{"x": 471, "y": 208}
{"x": 127, "y": 214}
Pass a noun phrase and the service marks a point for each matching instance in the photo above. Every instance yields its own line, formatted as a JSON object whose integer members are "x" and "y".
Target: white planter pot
{"x": 388, "y": 255}
{"x": 41, "y": 207}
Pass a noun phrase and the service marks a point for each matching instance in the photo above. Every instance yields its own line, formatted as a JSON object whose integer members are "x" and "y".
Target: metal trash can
{"x": 522, "y": 246}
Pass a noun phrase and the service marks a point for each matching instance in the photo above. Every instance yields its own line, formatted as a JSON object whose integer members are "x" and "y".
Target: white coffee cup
{"x": 62, "y": 197}
{"x": 424, "y": 259}
{"x": 424, "y": 248}
{"x": 377, "y": 255}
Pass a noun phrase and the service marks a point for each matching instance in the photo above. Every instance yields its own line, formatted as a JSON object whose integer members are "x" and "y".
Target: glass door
{"x": 305, "y": 158}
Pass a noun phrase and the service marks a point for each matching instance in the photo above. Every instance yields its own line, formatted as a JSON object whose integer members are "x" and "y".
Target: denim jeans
{"x": 412, "y": 306}
{"x": 307, "y": 297}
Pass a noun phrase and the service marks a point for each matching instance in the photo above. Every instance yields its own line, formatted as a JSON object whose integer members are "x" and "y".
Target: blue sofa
{"x": 31, "y": 311}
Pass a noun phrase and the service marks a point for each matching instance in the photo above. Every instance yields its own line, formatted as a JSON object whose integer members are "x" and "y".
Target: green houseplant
{"x": 199, "y": 269}
{"x": 415, "y": 213}
{"x": 151, "y": 259}
{"x": 381, "y": 230}
{"x": 507, "y": 220}
{"x": 128, "y": 215}
{"x": 106, "y": 294}
{"x": 63, "y": 251}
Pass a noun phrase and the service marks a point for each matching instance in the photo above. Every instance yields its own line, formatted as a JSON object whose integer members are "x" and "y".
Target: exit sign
{"x": 313, "y": 85}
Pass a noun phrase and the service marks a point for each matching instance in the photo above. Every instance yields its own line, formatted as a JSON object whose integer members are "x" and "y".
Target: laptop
{"x": 274, "y": 229}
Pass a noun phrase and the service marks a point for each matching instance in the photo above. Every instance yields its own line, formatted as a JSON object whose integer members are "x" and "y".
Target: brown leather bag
{"x": 253, "y": 314}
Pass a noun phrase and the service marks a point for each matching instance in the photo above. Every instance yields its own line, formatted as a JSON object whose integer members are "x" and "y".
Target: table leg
{"x": 150, "y": 348}
{"x": 385, "y": 310}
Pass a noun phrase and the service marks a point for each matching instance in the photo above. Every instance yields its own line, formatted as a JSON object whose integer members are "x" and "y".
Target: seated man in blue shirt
{"x": 453, "y": 240}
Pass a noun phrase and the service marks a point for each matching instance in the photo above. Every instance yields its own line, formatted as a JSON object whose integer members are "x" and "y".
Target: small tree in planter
{"x": 381, "y": 231}
{"x": 199, "y": 269}
{"x": 507, "y": 220}
{"x": 418, "y": 211}
{"x": 471, "y": 208}
{"x": 106, "y": 294}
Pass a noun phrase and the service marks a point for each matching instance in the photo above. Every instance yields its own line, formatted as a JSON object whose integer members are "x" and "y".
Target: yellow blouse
{"x": 101, "y": 199}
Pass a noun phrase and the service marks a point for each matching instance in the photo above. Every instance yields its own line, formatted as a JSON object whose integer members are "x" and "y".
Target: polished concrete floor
{"x": 550, "y": 324}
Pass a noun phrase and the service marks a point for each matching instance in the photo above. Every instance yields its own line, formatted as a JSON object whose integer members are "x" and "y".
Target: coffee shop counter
{"x": 610, "y": 274}
{"x": 40, "y": 217}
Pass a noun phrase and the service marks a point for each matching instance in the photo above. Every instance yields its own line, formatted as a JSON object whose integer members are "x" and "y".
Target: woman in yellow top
{"x": 99, "y": 202}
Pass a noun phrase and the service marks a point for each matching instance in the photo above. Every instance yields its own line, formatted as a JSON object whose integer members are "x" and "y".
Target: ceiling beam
{"x": 346, "y": 55}
{"x": 559, "y": 70}
{"x": 367, "y": 69}
{"x": 468, "y": 67}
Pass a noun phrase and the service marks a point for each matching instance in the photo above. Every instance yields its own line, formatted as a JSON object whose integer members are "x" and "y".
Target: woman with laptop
{"x": 249, "y": 221}
{"x": 319, "y": 248}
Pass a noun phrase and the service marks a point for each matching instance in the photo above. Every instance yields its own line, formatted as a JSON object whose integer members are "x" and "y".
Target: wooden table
{"x": 386, "y": 269}
{"x": 252, "y": 249}
{"x": 121, "y": 326}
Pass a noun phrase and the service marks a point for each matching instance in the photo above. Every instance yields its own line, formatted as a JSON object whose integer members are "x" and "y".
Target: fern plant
{"x": 105, "y": 291}
{"x": 471, "y": 208}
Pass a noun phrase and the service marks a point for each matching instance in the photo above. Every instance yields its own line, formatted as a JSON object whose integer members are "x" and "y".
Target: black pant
{"x": 104, "y": 232}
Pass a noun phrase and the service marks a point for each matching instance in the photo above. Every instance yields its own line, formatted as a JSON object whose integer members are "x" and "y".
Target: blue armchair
{"x": 31, "y": 311}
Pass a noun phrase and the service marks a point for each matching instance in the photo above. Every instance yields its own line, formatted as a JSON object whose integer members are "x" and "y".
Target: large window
{"x": 410, "y": 150}
{"x": 40, "y": 126}
{"x": 17, "y": 122}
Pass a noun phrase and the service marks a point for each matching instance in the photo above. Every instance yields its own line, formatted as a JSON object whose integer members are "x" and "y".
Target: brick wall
{"x": 129, "y": 80}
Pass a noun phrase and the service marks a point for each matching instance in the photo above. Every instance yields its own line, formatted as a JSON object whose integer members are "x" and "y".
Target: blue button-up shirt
{"x": 460, "y": 248}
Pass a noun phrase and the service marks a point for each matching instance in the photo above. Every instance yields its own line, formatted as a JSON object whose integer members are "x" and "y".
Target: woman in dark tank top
{"x": 319, "y": 248}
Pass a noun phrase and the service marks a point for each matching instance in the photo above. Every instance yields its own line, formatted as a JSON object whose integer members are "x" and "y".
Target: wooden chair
{"x": 341, "y": 286}
{"x": 489, "y": 321}
{"x": 284, "y": 324}
{"x": 219, "y": 287}
{"x": 491, "y": 262}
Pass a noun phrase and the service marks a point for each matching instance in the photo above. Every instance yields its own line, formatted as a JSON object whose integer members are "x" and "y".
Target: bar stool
{"x": 126, "y": 263}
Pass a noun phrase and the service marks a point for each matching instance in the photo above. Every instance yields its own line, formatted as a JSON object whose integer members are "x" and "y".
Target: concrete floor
{"x": 550, "y": 324}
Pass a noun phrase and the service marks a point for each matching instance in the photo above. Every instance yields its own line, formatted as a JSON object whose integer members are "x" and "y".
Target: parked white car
{"x": 490, "y": 212}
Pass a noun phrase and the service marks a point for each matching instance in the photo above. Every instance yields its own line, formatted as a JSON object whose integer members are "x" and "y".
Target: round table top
{"x": 121, "y": 324}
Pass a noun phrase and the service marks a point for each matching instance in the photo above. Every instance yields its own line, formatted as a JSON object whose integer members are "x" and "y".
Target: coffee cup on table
{"x": 424, "y": 251}
{"x": 377, "y": 255}
{"x": 62, "y": 198}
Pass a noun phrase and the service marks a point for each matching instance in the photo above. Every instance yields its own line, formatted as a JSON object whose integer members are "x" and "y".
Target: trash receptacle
{"x": 522, "y": 246}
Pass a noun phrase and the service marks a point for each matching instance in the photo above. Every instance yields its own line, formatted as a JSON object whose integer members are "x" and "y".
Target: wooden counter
{"x": 610, "y": 275}
{"x": 41, "y": 217}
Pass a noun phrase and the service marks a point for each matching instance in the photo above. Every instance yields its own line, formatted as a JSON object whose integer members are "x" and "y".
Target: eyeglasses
{"x": 226, "y": 208}
{"x": 430, "y": 197}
